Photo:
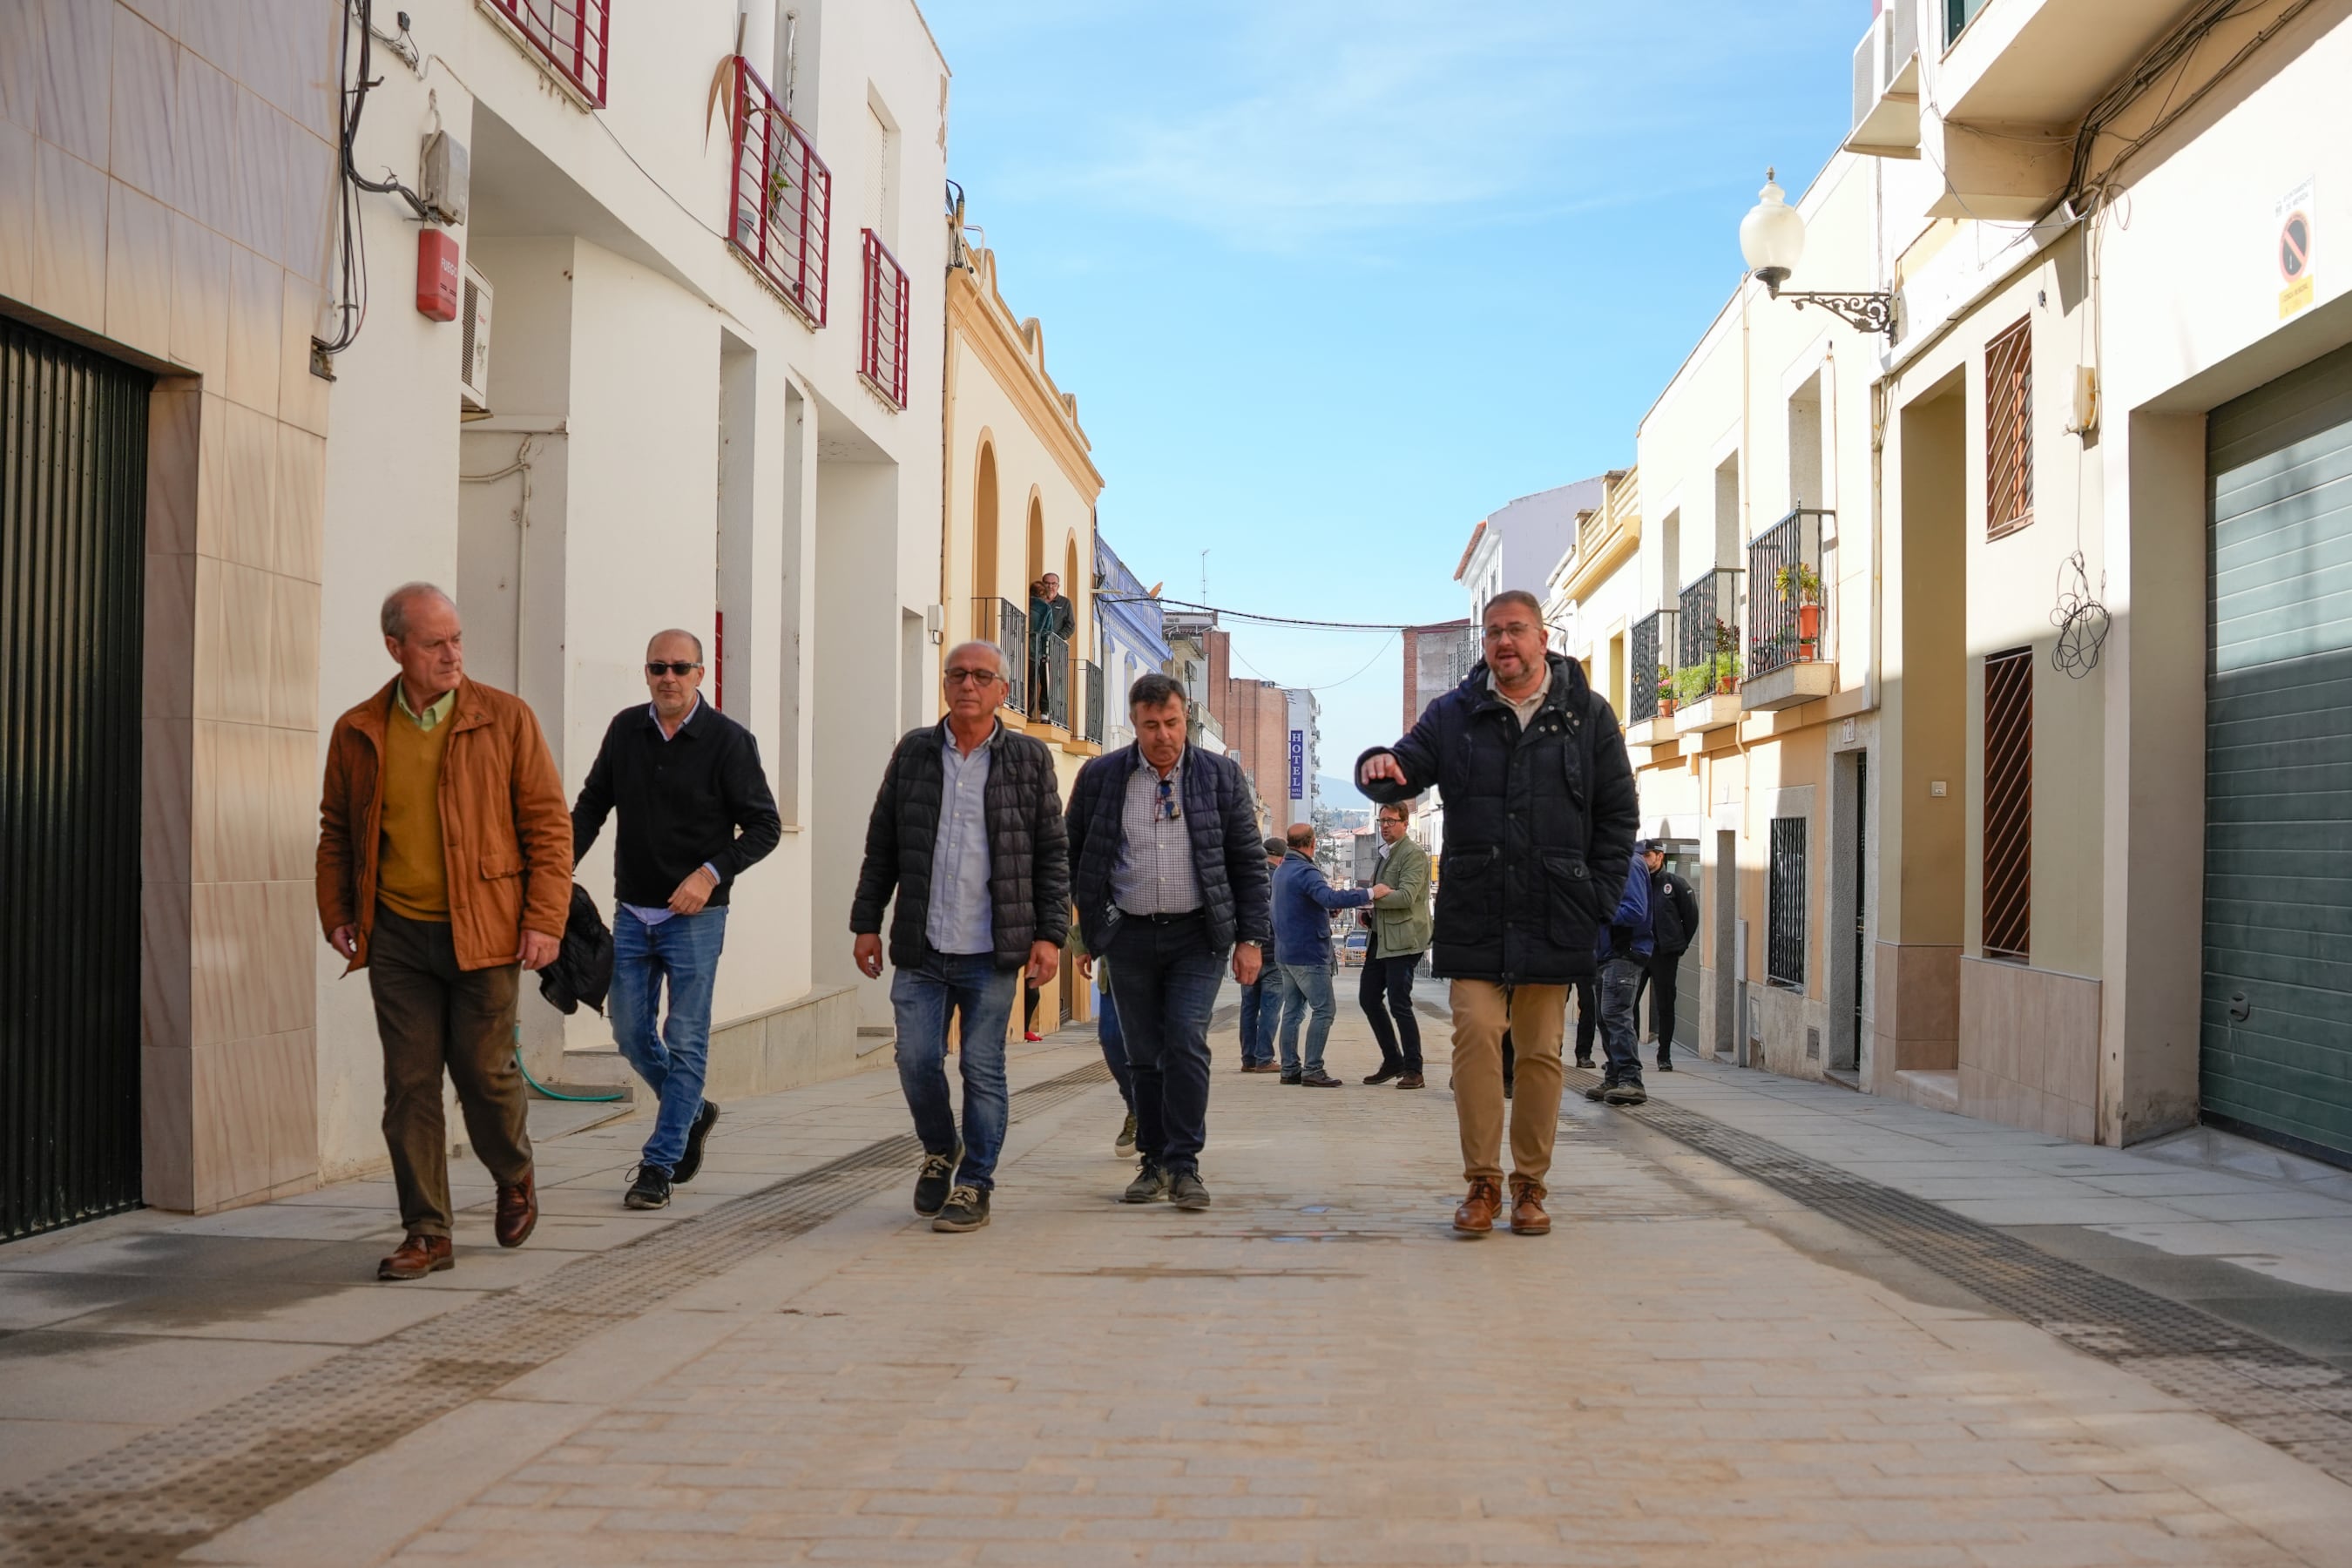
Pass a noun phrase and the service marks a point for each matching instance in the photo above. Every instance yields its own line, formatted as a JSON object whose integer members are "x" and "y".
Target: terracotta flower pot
{"x": 1728, "y": 684}
{"x": 1665, "y": 707}
{"x": 1809, "y": 623}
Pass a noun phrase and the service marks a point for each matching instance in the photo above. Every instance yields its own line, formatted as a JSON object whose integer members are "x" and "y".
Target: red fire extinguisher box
{"x": 436, "y": 274}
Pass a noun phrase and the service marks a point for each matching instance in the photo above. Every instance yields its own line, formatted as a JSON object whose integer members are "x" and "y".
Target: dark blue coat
{"x": 1303, "y": 902}
{"x": 1538, "y": 826}
{"x": 1228, "y": 852}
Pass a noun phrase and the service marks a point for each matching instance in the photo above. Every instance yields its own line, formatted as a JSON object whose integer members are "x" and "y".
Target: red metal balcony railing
{"x": 882, "y": 359}
{"x": 782, "y": 222}
{"x": 575, "y": 36}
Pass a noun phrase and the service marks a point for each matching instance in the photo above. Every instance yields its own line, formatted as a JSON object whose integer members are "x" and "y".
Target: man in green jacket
{"x": 1400, "y": 929}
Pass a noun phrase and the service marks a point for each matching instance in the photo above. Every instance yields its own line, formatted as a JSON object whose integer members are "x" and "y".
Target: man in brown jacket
{"x": 445, "y": 861}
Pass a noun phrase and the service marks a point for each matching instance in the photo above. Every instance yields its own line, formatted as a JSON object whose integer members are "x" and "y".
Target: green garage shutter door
{"x": 2277, "y": 1005}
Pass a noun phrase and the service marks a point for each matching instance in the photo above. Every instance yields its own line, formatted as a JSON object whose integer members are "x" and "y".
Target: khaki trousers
{"x": 431, "y": 1015}
{"x": 1534, "y": 1015}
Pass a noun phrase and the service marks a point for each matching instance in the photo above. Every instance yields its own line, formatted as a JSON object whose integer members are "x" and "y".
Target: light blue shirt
{"x": 960, "y": 918}
{"x": 650, "y": 918}
{"x": 1154, "y": 874}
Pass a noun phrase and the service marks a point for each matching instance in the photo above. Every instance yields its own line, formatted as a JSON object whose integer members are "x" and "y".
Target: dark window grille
{"x": 1049, "y": 689}
{"x": 2009, "y": 430}
{"x": 1712, "y": 600}
{"x": 1006, "y": 623}
{"x": 1094, "y": 702}
{"x": 882, "y": 356}
{"x": 1775, "y": 623}
{"x": 1650, "y": 664}
{"x": 783, "y": 222}
{"x": 1784, "y": 944}
{"x": 2009, "y": 804}
{"x": 573, "y": 36}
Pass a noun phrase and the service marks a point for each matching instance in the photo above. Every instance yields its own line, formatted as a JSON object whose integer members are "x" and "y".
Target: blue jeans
{"x": 968, "y": 986}
{"x": 1619, "y": 978}
{"x": 1165, "y": 979}
{"x": 1114, "y": 1047}
{"x": 1306, "y": 994}
{"x": 1261, "y": 1010}
{"x": 683, "y": 951}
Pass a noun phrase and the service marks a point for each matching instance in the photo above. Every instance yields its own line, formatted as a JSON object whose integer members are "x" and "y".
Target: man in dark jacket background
{"x": 1169, "y": 873}
{"x": 696, "y": 813}
{"x": 967, "y": 830}
{"x": 1540, "y": 820}
{"x": 1623, "y": 949}
{"x": 1303, "y": 906}
{"x": 1674, "y": 925}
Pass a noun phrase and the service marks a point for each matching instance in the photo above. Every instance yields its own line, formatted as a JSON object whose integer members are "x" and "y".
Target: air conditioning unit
{"x": 473, "y": 344}
{"x": 1886, "y": 85}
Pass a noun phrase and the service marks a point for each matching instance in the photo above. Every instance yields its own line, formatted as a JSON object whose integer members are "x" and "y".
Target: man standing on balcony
{"x": 444, "y": 862}
{"x": 1540, "y": 820}
{"x": 1051, "y": 624}
{"x": 1169, "y": 875}
{"x": 696, "y": 813}
{"x": 967, "y": 829}
{"x": 1400, "y": 936}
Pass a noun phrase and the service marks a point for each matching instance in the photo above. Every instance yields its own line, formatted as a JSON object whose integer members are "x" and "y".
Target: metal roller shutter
{"x": 2277, "y": 1004}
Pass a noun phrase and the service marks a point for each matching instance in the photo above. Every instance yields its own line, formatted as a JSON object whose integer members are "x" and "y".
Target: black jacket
{"x": 1228, "y": 851}
{"x": 1673, "y": 914}
{"x": 1538, "y": 826}
{"x": 583, "y": 970}
{"x": 681, "y": 802}
{"x": 1028, "y": 858}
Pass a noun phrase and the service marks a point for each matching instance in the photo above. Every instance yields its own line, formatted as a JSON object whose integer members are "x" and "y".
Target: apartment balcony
{"x": 1785, "y": 614}
{"x": 1049, "y": 681}
{"x": 1006, "y": 623}
{"x": 783, "y": 192}
{"x": 571, "y": 37}
{"x": 1707, "y": 658}
{"x": 882, "y": 349}
{"x": 1886, "y": 85}
{"x": 1650, "y": 650}
{"x": 1091, "y": 706}
{"x": 1607, "y": 536}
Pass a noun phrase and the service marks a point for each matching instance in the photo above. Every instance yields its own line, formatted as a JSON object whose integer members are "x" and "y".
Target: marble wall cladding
{"x": 138, "y": 270}
{"x": 70, "y": 238}
{"x": 1916, "y": 1013}
{"x": 145, "y": 88}
{"x": 2029, "y": 1048}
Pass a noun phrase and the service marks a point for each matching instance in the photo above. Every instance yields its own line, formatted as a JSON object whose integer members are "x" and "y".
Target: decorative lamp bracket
{"x": 1865, "y": 312}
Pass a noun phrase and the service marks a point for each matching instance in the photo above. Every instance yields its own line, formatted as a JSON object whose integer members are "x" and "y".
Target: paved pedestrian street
{"x": 1694, "y": 1367}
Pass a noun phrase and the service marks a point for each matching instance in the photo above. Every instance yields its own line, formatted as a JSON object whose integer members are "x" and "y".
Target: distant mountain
{"x": 1338, "y": 793}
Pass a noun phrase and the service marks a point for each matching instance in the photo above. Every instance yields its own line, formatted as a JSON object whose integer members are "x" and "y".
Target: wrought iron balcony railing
{"x": 1049, "y": 679}
{"x": 1706, "y": 636}
{"x": 1650, "y": 655}
{"x": 1784, "y": 584}
{"x": 782, "y": 222}
{"x": 1006, "y": 623}
{"x": 882, "y": 353}
{"x": 1093, "y": 716}
{"x": 573, "y": 35}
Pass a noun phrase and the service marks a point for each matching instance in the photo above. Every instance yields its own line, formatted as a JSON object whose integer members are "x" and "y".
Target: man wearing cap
{"x": 1673, "y": 922}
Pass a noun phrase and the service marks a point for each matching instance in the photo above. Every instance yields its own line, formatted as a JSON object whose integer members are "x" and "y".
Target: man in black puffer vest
{"x": 1539, "y": 822}
{"x": 968, "y": 830}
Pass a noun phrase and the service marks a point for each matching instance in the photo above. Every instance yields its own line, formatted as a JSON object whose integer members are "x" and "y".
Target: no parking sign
{"x": 2294, "y": 246}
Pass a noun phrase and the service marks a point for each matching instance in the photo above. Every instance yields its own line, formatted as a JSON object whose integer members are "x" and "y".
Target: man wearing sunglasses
{"x": 1170, "y": 874}
{"x": 696, "y": 813}
{"x": 1539, "y": 820}
{"x": 967, "y": 831}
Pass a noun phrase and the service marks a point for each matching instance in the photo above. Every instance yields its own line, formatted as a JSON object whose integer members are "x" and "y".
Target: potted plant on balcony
{"x": 1666, "y": 693}
{"x": 1692, "y": 683}
{"x": 1802, "y": 580}
{"x": 1726, "y": 663}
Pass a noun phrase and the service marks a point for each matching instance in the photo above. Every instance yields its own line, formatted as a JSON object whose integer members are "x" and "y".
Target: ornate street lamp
{"x": 1773, "y": 238}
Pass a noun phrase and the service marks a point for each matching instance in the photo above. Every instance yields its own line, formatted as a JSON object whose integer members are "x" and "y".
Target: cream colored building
{"x": 1020, "y": 487}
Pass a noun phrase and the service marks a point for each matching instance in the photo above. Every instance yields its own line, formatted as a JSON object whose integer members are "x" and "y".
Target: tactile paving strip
{"x": 2259, "y": 1386}
{"x": 154, "y": 1498}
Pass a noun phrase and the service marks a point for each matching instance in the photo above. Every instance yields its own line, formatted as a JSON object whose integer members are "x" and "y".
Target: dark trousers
{"x": 1385, "y": 994}
{"x": 1588, "y": 1017}
{"x": 433, "y": 1017}
{"x": 1164, "y": 979}
{"x": 1114, "y": 1046}
{"x": 1261, "y": 1010}
{"x": 1658, "y": 977}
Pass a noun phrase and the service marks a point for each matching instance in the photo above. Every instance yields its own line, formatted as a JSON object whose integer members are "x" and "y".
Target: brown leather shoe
{"x": 518, "y": 1210}
{"x": 1410, "y": 1080}
{"x": 1477, "y": 1215}
{"x": 417, "y": 1256}
{"x": 1527, "y": 1216}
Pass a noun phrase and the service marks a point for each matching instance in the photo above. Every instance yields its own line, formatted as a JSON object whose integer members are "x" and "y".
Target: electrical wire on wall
{"x": 352, "y": 280}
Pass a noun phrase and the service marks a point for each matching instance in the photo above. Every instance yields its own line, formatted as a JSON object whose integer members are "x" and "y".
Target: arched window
{"x": 983, "y": 553}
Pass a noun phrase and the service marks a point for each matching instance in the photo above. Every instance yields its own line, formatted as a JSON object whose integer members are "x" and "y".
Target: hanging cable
{"x": 1253, "y": 618}
{"x": 2081, "y": 619}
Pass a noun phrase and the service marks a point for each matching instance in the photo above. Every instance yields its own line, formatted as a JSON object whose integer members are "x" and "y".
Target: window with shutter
{"x": 2009, "y": 430}
{"x": 2009, "y": 805}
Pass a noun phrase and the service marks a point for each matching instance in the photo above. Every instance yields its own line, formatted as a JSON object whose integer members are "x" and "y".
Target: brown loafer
{"x": 1410, "y": 1080}
{"x": 518, "y": 1210}
{"x": 1527, "y": 1216}
{"x": 417, "y": 1256}
{"x": 1477, "y": 1215}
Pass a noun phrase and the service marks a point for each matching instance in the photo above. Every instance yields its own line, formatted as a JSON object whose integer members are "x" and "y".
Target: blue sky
{"x": 1332, "y": 279}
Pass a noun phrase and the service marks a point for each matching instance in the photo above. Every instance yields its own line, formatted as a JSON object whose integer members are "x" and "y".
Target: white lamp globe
{"x": 1772, "y": 236}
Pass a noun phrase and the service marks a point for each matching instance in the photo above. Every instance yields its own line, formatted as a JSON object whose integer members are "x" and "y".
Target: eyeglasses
{"x": 973, "y": 677}
{"x": 1168, "y": 799}
{"x": 671, "y": 667}
{"x": 1514, "y": 630}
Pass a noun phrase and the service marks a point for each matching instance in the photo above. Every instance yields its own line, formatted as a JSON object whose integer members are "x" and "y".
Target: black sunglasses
{"x": 1168, "y": 801}
{"x": 675, "y": 667}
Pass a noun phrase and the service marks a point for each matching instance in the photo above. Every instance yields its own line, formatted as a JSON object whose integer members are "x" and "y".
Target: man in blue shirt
{"x": 1303, "y": 902}
{"x": 1623, "y": 947}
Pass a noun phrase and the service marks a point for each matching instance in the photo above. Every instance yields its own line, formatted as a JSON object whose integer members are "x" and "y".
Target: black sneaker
{"x": 1124, "y": 1144}
{"x": 1665, "y": 1062}
{"x": 1627, "y": 1091}
{"x": 1188, "y": 1194}
{"x": 1149, "y": 1187}
{"x": 650, "y": 1189}
{"x": 1385, "y": 1074}
{"x": 967, "y": 1210}
{"x": 691, "y": 1165}
{"x": 1584, "y": 1061}
{"x": 1293, "y": 1075}
{"x": 931, "y": 1183}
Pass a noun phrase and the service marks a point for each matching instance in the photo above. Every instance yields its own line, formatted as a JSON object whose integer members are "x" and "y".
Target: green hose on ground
{"x": 557, "y": 1093}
